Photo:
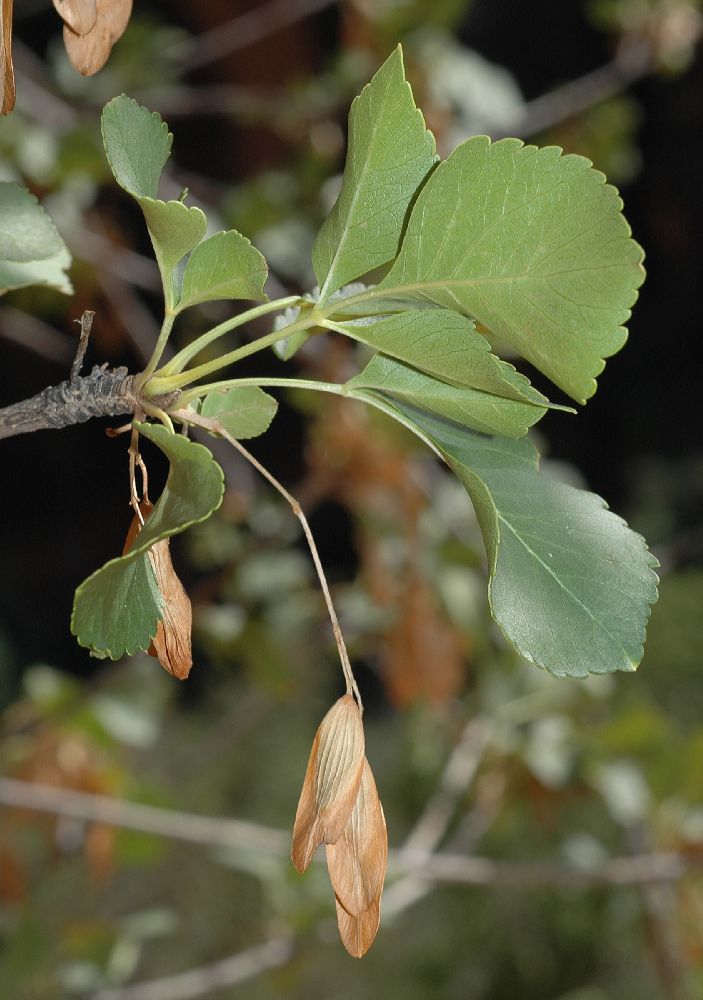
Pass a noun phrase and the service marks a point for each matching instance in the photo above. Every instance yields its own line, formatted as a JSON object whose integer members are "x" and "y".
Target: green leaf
{"x": 117, "y": 609}
{"x": 245, "y": 411}
{"x": 533, "y": 245}
{"x": 482, "y": 411}
{"x": 31, "y": 250}
{"x": 137, "y": 144}
{"x": 225, "y": 266}
{"x": 444, "y": 344}
{"x": 570, "y": 583}
{"x": 51, "y": 272}
{"x": 390, "y": 153}
{"x": 286, "y": 347}
{"x": 27, "y": 234}
{"x": 174, "y": 229}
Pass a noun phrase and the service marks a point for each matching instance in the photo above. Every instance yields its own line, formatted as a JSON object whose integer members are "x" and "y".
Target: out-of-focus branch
{"x": 242, "y": 31}
{"x": 661, "y": 907}
{"x": 459, "y": 772}
{"x": 633, "y": 61}
{"x": 638, "y": 869}
{"x": 214, "y": 831}
{"x": 35, "y": 98}
{"x": 138, "y": 322}
{"x": 178, "y": 100}
{"x": 35, "y": 335}
{"x": 206, "y": 979}
{"x": 123, "y": 263}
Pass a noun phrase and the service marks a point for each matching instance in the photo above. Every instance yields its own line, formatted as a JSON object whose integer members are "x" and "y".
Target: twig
{"x": 86, "y": 324}
{"x": 243, "y": 31}
{"x": 103, "y": 393}
{"x": 459, "y": 771}
{"x": 642, "y": 869}
{"x": 36, "y": 99}
{"x": 128, "y": 265}
{"x": 214, "y": 831}
{"x": 205, "y": 980}
{"x": 633, "y": 61}
{"x": 661, "y": 906}
{"x": 215, "y": 427}
{"x": 178, "y": 100}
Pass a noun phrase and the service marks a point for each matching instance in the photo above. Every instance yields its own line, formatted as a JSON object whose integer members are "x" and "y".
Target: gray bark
{"x": 103, "y": 393}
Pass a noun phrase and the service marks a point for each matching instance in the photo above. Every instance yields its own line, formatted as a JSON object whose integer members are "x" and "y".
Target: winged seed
{"x": 331, "y": 783}
{"x": 357, "y": 862}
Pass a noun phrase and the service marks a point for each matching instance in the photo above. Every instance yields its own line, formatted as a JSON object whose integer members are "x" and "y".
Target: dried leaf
{"x": 358, "y": 933}
{"x": 357, "y": 862}
{"x": 99, "y": 850}
{"x": 7, "y": 72}
{"x": 79, "y": 15}
{"x": 331, "y": 783}
{"x": 422, "y": 658}
{"x": 90, "y": 52}
{"x": 172, "y": 642}
{"x": 14, "y": 884}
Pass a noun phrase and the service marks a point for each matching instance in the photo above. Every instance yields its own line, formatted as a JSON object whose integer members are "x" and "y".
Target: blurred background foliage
{"x": 558, "y": 774}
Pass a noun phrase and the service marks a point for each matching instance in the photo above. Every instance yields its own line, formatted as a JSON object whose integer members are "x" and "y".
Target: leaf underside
{"x": 175, "y": 229}
{"x": 225, "y": 266}
{"x": 245, "y": 412}
{"x": 482, "y": 411}
{"x": 444, "y": 344}
{"x": 117, "y": 609}
{"x": 31, "y": 250}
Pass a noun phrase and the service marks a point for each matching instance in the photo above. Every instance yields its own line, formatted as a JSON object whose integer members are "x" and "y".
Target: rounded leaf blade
{"x": 531, "y": 243}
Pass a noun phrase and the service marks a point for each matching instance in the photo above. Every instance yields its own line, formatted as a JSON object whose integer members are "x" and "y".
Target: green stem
{"x": 282, "y": 383}
{"x": 181, "y": 359}
{"x": 164, "y": 334}
{"x": 163, "y": 383}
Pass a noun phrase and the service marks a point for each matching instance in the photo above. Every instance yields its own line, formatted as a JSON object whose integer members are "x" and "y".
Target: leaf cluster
{"x": 502, "y": 251}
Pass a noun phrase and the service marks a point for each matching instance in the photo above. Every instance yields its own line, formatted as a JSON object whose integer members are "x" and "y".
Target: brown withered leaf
{"x": 7, "y": 71}
{"x": 99, "y": 850}
{"x": 331, "y": 783}
{"x": 90, "y": 52}
{"x": 79, "y": 15}
{"x": 422, "y": 658}
{"x": 172, "y": 642}
{"x": 358, "y": 933}
{"x": 14, "y": 883}
{"x": 357, "y": 862}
